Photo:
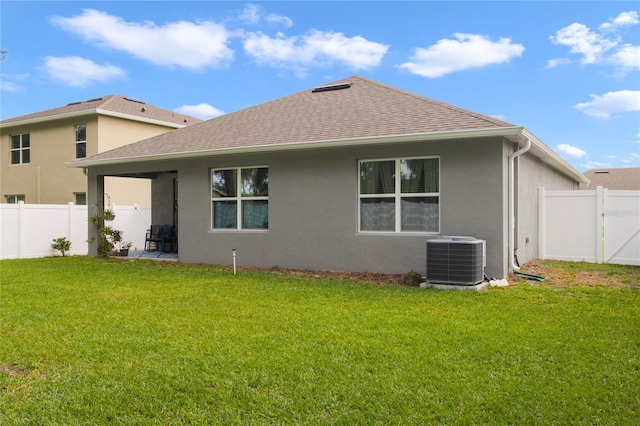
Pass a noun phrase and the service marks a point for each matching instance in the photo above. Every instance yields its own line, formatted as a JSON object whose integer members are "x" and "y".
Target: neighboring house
{"x": 349, "y": 176}
{"x": 35, "y": 147}
{"x": 624, "y": 178}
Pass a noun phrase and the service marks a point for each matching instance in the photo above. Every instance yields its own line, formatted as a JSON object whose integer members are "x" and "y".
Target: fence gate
{"x": 600, "y": 226}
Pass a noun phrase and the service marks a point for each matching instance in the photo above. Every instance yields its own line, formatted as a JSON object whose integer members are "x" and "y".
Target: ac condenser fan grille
{"x": 455, "y": 260}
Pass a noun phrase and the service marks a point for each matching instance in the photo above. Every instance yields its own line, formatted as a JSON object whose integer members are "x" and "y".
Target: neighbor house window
{"x": 20, "y": 149}
{"x": 81, "y": 140}
{"x": 240, "y": 198}
{"x": 14, "y": 199}
{"x": 81, "y": 198}
{"x": 400, "y": 195}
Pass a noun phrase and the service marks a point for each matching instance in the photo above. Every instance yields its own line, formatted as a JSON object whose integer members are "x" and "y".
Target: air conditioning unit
{"x": 456, "y": 260}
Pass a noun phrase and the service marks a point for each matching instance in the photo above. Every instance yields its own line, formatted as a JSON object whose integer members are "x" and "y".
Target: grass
{"x": 89, "y": 341}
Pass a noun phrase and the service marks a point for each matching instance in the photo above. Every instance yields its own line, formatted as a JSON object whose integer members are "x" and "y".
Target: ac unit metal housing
{"x": 456, "y": 260}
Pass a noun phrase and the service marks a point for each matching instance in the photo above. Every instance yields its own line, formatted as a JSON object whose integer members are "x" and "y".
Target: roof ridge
{"x": 109, "y": 99}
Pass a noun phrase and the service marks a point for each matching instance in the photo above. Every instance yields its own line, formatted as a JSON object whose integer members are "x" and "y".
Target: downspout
{"x": 512, "y": 196}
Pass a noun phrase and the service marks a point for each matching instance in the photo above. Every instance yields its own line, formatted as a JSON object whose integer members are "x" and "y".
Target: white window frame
{"x": 21, "y": 149}
{"x": 397, "y": 196}
{"x": 239, "y": 198}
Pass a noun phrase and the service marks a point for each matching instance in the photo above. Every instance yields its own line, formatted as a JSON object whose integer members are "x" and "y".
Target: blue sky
{"x": 568, "y": 71}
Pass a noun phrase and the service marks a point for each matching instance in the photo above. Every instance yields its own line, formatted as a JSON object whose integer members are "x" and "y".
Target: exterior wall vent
{"x": 332, "y": 87}
{"x": 456, "y": 260}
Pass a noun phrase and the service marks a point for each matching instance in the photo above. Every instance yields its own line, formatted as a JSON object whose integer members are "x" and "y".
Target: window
{"x": 400, "y": 195}
{"x": 240, "y": 198}
{"x": 20, "y": 149}
{"x": 81, "y": 198}
{"x": 81, "y": 140}
{"x": 14, "y": 199}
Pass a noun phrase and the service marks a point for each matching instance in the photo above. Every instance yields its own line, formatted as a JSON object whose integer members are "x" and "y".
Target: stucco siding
{"x": 45, "y": 179}
{"x": 533, "y": 174}
{"x": 313, "y": 209}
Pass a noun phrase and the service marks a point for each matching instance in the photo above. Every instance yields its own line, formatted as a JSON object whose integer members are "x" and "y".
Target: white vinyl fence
{"x": 27, "y": 230}
{"x": 599, "y": 226}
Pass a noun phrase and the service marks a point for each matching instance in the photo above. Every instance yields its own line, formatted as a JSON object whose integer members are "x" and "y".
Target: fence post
{"x": 70, "y": 223}
{"x": 541, "y": 229}
{"x": 600, "y": 231}
{"x": 21, "y": 225}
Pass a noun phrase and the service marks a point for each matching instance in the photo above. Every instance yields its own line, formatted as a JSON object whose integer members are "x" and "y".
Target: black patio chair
{"x": 161, "y": 238}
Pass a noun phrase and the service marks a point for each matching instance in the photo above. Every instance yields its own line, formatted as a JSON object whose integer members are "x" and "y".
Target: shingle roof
{"x": 362, "y": 109}
{"x": 113, "y": 103}
{"x": 623, "y": 178}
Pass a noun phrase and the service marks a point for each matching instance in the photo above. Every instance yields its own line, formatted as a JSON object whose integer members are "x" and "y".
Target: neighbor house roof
{"x": 623, "y": 178}
{"x": 347, "y": 112}
{"x": 113, "y": 105}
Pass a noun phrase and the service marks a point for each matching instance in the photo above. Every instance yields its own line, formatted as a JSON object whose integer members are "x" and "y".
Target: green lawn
{"x": 88, "y": 341}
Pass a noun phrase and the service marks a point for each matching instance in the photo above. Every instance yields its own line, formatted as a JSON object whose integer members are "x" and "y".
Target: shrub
{"x": 411, "y": 278}
{"x": 61, "y": 244}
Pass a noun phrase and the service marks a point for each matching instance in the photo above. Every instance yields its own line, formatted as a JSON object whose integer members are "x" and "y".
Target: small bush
{"x": 411, "y": 278}
{"x": 62, "y": 245}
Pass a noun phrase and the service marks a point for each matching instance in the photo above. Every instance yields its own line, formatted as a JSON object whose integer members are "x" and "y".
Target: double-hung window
{"x": 20, "y": 149}
{"x": 400, "y": 195}
{"x": 81, "y": 140}
{"x": 240, "y": 198}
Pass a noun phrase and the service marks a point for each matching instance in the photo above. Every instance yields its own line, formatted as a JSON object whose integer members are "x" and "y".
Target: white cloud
{"x": 633, "y": 158}
{"x": 552, "y": 63}
{"x": 622, "y": 20}
{"x": 628, "y": 57}
{"x": 583, "y": 41}
{"x": 596, "y": 165}
{"x": 602, "y": 106}
{"x": 80, "y": 72}
{"x": 9, "y": 86}
{"x": 194, "y": 46}
{"x": 571, "y": 151}
{"x": 251, "y": 14}
{"x": 279, "y": 19}
{"x": 600, "y": 46}
{"x": 202, "y": 111}
{"x": 465, "y": 51}
{"x": 315, "y": 49}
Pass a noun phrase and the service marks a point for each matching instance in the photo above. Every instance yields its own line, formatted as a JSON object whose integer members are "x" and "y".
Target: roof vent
{"x": 133, "y": 100}
{"x": 603, "y": 172}
{"x": 74, "y": 103}
{"x": 94, "y": 100}
{"x": 332, "y": 87}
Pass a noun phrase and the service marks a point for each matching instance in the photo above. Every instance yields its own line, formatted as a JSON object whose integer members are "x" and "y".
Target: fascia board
{"x": 509, "y": 132}
{"x": 90, "y": 112}
{"x": 138, "y": 118}
{"x": 49, "y": 118}
{"x": 544, "y": 153}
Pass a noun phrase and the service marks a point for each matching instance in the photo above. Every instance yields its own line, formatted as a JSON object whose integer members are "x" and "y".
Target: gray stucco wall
{"x": 162, "y": 196}
{"x": 534, "y": 174}
{"x": 313, "y": 206}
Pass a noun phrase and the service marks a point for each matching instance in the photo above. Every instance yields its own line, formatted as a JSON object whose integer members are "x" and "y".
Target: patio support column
{"x": 95, "y": 204}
